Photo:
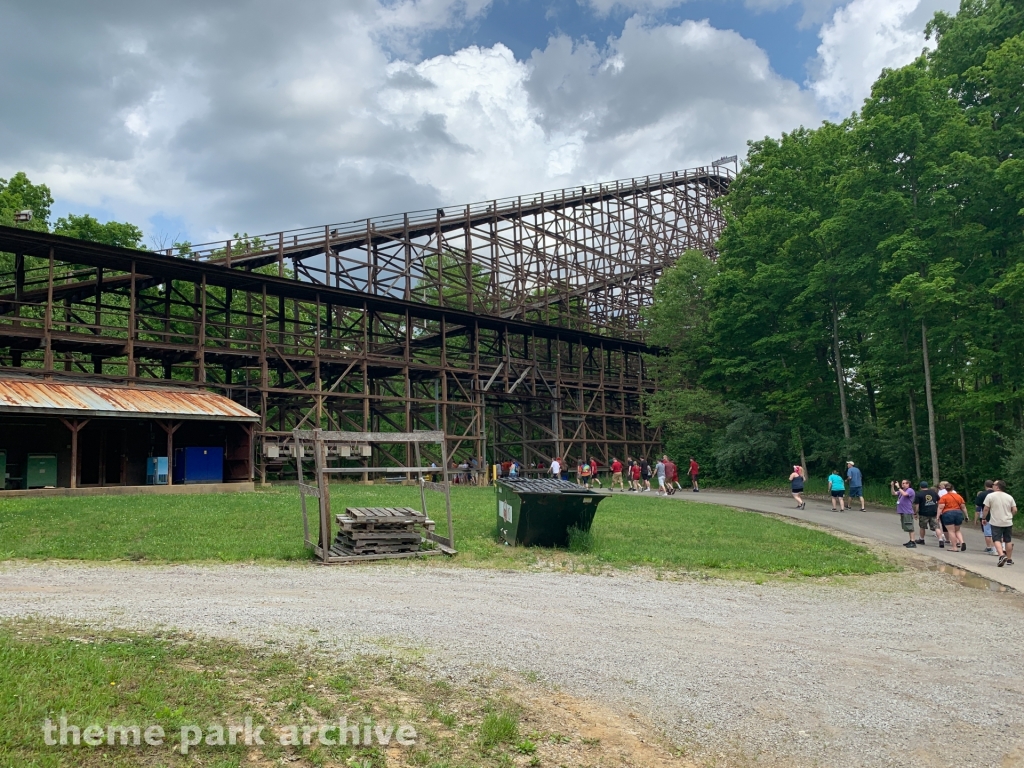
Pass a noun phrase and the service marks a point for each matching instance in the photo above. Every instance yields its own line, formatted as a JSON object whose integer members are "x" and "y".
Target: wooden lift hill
{"x": 371, "y": 533}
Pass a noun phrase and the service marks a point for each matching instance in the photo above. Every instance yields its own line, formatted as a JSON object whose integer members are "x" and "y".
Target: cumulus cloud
{"x": 861, "y": 40}
{"x": 250, "y": 117}
{"x": 684, "y": 92}
{"x": 656, "y": 98}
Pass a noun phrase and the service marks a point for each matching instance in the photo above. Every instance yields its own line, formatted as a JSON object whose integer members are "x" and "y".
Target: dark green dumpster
{"x": 41, "y": 470}
{"x": 541, "y": 512}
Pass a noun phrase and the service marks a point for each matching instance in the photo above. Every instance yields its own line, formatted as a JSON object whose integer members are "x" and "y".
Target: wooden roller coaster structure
{"x": 513, "y": 326}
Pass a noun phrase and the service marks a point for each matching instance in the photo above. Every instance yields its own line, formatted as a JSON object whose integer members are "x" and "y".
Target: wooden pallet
{"x": 381, "y": 532}
{"x": 382, "y": 517}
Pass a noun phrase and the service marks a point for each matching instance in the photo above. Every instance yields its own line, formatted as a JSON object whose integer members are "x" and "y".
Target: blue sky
{"x": 197, "y": 120}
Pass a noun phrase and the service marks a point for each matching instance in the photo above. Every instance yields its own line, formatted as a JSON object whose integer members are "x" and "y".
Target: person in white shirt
{"x": 556, "y": 468}
{"x": 999, "y": 511}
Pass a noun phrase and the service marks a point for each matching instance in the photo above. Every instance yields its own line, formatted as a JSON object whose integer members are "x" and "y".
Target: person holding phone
{"x": 905, "y": 508}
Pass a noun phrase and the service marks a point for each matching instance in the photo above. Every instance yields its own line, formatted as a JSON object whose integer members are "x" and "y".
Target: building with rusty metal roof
{"x": 72, "y": 433}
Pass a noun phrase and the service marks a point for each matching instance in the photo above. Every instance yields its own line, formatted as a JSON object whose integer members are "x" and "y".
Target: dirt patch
{"x": 580, "y": 732}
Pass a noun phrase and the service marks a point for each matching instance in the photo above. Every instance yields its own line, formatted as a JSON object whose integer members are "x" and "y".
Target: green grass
{"x": 628, "y": 530}
{"x": 499, "y": 728}
{"x": 129, "y": 679}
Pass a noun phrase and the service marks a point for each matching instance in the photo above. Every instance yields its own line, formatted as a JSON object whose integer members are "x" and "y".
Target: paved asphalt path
{"x": 877, "y": 524}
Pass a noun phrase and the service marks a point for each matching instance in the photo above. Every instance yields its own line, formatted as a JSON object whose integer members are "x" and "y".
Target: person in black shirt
{"x": 645, "y": 473}
{"x": 979, "y": 507}
{"x": 927, "y": 502}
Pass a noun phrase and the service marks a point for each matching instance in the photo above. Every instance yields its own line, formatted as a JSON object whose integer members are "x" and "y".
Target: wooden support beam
{"x": 170, "y": 428}
{"x": 74, "y": 426}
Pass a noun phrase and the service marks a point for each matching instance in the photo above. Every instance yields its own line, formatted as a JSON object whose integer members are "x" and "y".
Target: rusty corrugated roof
{"x": 74, "y": 398}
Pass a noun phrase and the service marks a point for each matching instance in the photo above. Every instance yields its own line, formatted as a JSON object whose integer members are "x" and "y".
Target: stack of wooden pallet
{"x": 380, "y": 531}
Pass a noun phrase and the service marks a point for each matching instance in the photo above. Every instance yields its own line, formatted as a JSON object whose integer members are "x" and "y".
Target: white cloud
{"x": 861, "y": 40}
{"x": 678, "y": 93}
{"x": 656, "y": 98}
{"x": 320, "y": 122}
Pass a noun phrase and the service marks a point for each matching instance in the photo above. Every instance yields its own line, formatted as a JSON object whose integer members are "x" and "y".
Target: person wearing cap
{"x": 927, "y": 502}
{"x": 853, "y": 474}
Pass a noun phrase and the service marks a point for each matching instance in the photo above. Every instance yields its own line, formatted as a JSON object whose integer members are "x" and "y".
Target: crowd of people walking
{"x": 939, "y": 511}
{"x": 942, "y": 512}
{"x": 661, "y": 478}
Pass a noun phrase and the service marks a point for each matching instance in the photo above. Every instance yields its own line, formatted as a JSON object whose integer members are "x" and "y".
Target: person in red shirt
{"x": 594, "y": 479}
{"x": 617, "y": 474}
{"x": 671, "y": 474}
{"x": 694, "y": 471}
{"x": 634, "y": 476}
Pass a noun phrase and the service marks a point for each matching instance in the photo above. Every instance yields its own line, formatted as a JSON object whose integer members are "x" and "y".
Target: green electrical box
{"x": 541, "y": 512}
{"x": 41, "y": 470}
{"x": 3, "y": 470}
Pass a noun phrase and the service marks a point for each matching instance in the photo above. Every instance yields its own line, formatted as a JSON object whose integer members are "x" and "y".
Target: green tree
{"x": 790, "y": 287}
{"x": 20, "y": 194}
{"x": 874, "y": 268}
{"x": 679, "y": 324}
{"x": 86, "y": 227}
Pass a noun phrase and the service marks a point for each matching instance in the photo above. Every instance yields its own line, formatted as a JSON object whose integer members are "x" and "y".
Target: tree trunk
{"x": 913, "y": 434}
{"x": 871, "y": 400}
{"x": 872, "y": 408}
{"x": 803, "y": 458}
{"x": 839, "y": 371}
{"x": 932, "y": 444}
{"x": 963, "y": 452}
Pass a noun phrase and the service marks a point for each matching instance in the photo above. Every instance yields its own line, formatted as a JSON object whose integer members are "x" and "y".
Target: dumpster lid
{"x": 543, "y": 485}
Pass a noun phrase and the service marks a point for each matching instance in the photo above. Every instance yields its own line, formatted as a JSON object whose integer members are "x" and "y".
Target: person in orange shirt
{"x": 952, "y": 512}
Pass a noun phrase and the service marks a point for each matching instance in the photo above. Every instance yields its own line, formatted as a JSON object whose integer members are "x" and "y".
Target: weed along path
{"x": 901, "y": 669}
{"x": 875, "y": 525}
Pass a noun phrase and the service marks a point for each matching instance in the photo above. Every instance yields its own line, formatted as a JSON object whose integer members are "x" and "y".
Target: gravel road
{"x": 907, "y": 669}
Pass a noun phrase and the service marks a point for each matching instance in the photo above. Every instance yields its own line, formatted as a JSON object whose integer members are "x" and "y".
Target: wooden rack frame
{"x": 316, "y": 441}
